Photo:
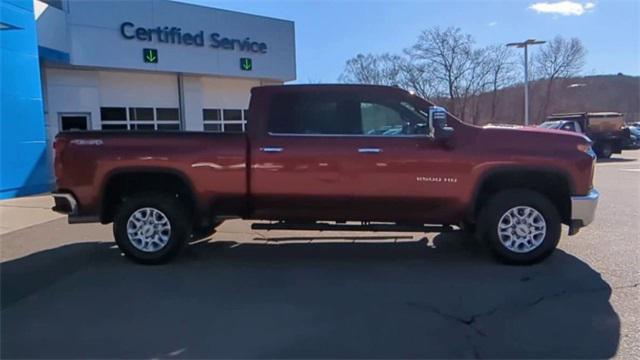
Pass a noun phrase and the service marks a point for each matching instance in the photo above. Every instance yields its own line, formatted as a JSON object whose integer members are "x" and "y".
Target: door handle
{"x": 271, "y": 149}
{"x": 369, "y": 150}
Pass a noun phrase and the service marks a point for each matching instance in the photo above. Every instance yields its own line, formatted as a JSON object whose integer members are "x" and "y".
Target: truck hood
{"x": 535, "y": 132}
{"x": 512, "y": 139}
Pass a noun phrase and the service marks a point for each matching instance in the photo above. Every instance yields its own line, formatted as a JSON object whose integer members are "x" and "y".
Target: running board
{"x": 350, "y": 227}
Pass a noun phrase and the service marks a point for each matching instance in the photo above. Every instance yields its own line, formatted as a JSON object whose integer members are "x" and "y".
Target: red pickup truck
{"x": 323, "y": 157}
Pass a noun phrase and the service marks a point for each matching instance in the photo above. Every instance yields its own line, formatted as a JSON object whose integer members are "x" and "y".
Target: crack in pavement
{"x": 467, "y": 321}
{"x": 470, "y": 321}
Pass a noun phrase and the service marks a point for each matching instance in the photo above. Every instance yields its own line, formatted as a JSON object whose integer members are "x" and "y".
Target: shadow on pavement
{"x": 615, "y": 160}
{"x": 445, "y": 298}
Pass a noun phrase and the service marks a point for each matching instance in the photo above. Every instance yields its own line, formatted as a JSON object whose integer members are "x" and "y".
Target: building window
{"x": 113, "y": 118}
{"x": 224, "y": 120}
{"x": 139, "y": 118}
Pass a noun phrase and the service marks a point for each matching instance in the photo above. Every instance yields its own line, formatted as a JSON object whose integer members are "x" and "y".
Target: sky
{"x": 330, "y": 32}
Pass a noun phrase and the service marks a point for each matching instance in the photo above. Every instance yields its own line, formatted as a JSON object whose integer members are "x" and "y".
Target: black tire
{"x": 168, "y": 205}
{"x": 468, "y": 227}
{"x": 203, "y": 232}
{"x": 604, "y": 151}
{"x": 503, "y": 202}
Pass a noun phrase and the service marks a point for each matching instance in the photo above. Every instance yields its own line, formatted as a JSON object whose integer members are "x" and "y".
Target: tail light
{"x": 59, "y": 145}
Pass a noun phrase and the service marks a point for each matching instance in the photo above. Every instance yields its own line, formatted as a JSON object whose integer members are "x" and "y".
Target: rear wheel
{"x": 151, "y": 228}
{"x": 469, "y": 228}
{"x": 520, "y": 226}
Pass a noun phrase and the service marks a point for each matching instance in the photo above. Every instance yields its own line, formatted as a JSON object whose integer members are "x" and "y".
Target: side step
{"x": 282, "y": 225}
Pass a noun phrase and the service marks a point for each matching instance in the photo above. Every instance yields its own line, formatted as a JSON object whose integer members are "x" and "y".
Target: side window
{"x": 578, "y": 128}
{"x": 313, "y": 114}
{"x": 569, "y": 127}
{"x": 379, "y": 119}
{"x": 341, "y": 114}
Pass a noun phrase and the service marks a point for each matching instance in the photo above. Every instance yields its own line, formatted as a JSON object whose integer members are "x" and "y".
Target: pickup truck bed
{"x": 212, "y": 164}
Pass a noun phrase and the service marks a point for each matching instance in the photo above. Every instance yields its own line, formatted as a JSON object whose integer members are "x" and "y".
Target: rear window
{"x": 297, "y": 113}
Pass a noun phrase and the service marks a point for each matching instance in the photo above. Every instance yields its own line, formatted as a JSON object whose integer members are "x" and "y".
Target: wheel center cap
{"x": 522, "y": 230}
{"x": 147, "y": 230}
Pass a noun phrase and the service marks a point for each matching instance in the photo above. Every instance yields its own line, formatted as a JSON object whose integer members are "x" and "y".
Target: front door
{"x": 398, "y": 172}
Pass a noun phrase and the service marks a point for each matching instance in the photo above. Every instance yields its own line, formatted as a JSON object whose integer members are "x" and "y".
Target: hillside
{"x": 618, "y": 93}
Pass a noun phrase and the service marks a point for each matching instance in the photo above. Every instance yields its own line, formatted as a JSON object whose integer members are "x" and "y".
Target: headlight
{"x": 586, "y": 148}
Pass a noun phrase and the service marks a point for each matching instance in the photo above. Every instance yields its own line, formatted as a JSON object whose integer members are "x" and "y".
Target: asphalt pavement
{"x": 66, "y": 292}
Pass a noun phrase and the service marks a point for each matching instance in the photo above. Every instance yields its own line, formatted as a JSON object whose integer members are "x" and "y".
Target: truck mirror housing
{"x": 438, "y": 123}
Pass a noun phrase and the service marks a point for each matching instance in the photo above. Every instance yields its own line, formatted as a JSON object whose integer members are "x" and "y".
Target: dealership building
{"x": 148, "y": 65}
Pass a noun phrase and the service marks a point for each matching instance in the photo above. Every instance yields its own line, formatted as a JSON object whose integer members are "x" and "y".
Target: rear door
{"x": 300, "y": 158}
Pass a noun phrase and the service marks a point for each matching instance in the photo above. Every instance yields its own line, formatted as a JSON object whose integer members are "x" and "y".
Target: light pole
{"x": 524, "y": 45}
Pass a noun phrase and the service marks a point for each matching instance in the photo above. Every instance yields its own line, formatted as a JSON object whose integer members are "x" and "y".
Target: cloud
{"x": 563, "y": 8}
{"x": 493, "y": 23}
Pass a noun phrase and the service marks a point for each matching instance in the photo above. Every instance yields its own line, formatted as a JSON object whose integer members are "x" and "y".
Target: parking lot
{"x": 67, "y": 292}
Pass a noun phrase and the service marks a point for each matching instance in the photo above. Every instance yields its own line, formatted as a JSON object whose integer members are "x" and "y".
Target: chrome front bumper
{"x": 583, "y": 210}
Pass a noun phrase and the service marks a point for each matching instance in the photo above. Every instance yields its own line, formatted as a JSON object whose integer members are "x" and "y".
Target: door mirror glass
{"x": 438, "y": 123}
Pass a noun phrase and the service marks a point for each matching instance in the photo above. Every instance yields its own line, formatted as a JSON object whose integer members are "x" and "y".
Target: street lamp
{"x": 524, "y": 45}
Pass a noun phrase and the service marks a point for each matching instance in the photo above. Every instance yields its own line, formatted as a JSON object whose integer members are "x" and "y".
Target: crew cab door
{"x": 398, "y": 171}
{"x": 345, "y": 156}
{"x": 299, "y": 156}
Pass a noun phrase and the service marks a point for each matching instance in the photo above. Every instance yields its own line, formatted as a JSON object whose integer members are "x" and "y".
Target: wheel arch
{"x": 556, "y": 184}
{"x": 120, "y": 183}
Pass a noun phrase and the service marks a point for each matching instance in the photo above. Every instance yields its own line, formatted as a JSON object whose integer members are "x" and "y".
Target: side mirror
{"x": 438, "y": 123}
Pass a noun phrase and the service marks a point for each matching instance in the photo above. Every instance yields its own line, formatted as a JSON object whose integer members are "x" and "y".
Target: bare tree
{"x": 388, "y": 69}
{"x": 476, "y": 81}
{"x": 559, "y": 58}
{"x": 382, "y": 69}
{"x": 447, "y": 53}
{"x": 419, "y": 79}
{"x": 502, "y": 67}
{"x": 445, "y": 65}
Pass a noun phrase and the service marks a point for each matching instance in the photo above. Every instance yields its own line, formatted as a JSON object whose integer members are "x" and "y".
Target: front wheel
{"x": 604, "y": 151}
{"x": 520, "y": 226}
{"x": 150, "y": 228}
